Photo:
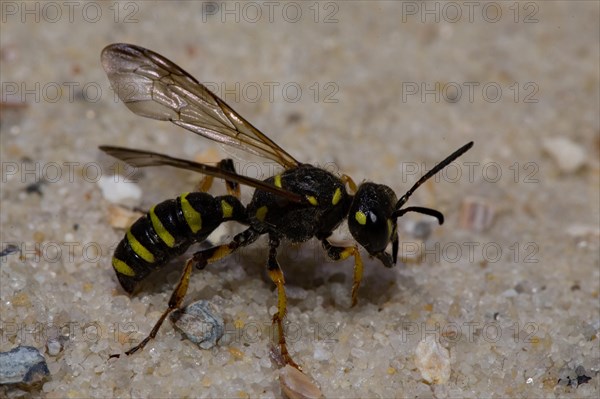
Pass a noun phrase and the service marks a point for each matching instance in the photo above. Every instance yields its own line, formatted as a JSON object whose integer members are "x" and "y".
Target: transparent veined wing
{"x": 154, "y": 87}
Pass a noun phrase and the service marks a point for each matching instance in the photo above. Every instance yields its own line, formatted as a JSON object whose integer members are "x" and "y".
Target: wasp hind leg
{"x": 233, "y": 188}
{"x": 174, "y": 303}
{"x": 203, "y": 258}
{"x": 276, "y": 275}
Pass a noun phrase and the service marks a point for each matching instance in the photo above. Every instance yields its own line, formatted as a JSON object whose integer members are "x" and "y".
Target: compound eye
{"x": 372, "y": 218}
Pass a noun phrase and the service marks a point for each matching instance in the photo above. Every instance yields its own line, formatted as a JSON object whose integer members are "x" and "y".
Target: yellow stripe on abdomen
{"x": 192, "y": 216}
{"x": 226, "y": 209}
{"x": 160, "y": 229}
{"x": 139, "y": 249}
{"x": 122, "y": 267}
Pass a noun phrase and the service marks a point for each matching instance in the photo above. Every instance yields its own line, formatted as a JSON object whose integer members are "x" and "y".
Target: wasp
{"x": 301, "y": 203}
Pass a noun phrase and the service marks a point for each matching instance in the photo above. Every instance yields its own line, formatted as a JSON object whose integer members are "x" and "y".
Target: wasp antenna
{"x": 432, "y": 172}
{"x": 426, "y": 211}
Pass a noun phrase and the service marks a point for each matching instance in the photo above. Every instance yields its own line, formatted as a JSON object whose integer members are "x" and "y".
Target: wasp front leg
{"x": 340, "y": 253}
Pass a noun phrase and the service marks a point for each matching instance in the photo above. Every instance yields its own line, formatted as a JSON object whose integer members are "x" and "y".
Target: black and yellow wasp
{"x": 298, "y": 204}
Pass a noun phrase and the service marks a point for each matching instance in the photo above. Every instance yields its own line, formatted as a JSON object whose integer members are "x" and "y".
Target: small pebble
{"x": 582, "y": 377}
{"x": 297, "y": 385}
{"x": 321, "y": 353}
{"x": 573, "y": 377}
{"x": 119, "y": 191}
{"x": 54, "y": 346}
{"x": 433, "y": 361}
{"x": 476, "y": 214}
{"x": 566, "y": 376}
{"x": 23, "y": 364}
{"x": 420, "y": 230}
{"x": 200, "y": 322}
{"x": 568, "y": 155}
{"x": 10, "y": 249}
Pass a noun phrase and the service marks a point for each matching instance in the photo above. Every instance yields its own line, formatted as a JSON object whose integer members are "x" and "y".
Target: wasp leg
{"x": 348, "y": 180}
{"x": 276, "y": 276}
{"x": 233, "y": 188}
{"x": 340, "y": 253}
{"x": 202, "y": 258}
{"x": 205, "y": 184}
{"x": 174, "y": 303}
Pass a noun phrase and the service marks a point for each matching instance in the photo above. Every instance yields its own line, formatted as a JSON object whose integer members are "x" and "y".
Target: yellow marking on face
{"x": 313, "y": 201}
{"x": 277, "y": 181}
{"x": 337, "y": 196}
{"x": 122, "y": 267}
{"x": 390, "y": 227}
{"x": 261, "y": 213}
{"x": 160, "y": 229}
{"x": 192, "y": 216}
{"x": 139, "y": 249}
{"x": 360, "y": 217}
{"x": 227, "y": 209}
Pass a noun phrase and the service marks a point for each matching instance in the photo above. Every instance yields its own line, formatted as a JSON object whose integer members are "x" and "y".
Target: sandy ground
{"x": 379, "y": 90}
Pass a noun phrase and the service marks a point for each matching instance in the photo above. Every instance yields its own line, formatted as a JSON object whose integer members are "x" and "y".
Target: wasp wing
{"x": 152, "y": 86}
{"x": 141, "y": 158}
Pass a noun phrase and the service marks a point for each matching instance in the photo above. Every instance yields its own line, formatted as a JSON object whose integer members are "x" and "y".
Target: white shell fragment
{"x": 476, "y": 214}
{"x": 119, "y": 191}
{"x": 568, "y": 155}
{"x": 200, "y": 322}
{"x": 297, "y": 385}
{"x": 433, "y": 360}
{"x": 23, "y": 364}
{"x": 120, "y": 217}
{"x": 584, "y": 230}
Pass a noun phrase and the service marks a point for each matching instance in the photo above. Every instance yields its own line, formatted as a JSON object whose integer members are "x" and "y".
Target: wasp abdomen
{"x": 168, "y": 230}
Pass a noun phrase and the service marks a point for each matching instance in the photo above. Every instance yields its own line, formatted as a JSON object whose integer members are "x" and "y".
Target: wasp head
{"x": 373, "y": 214}
{"x": 371, "y": 220}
